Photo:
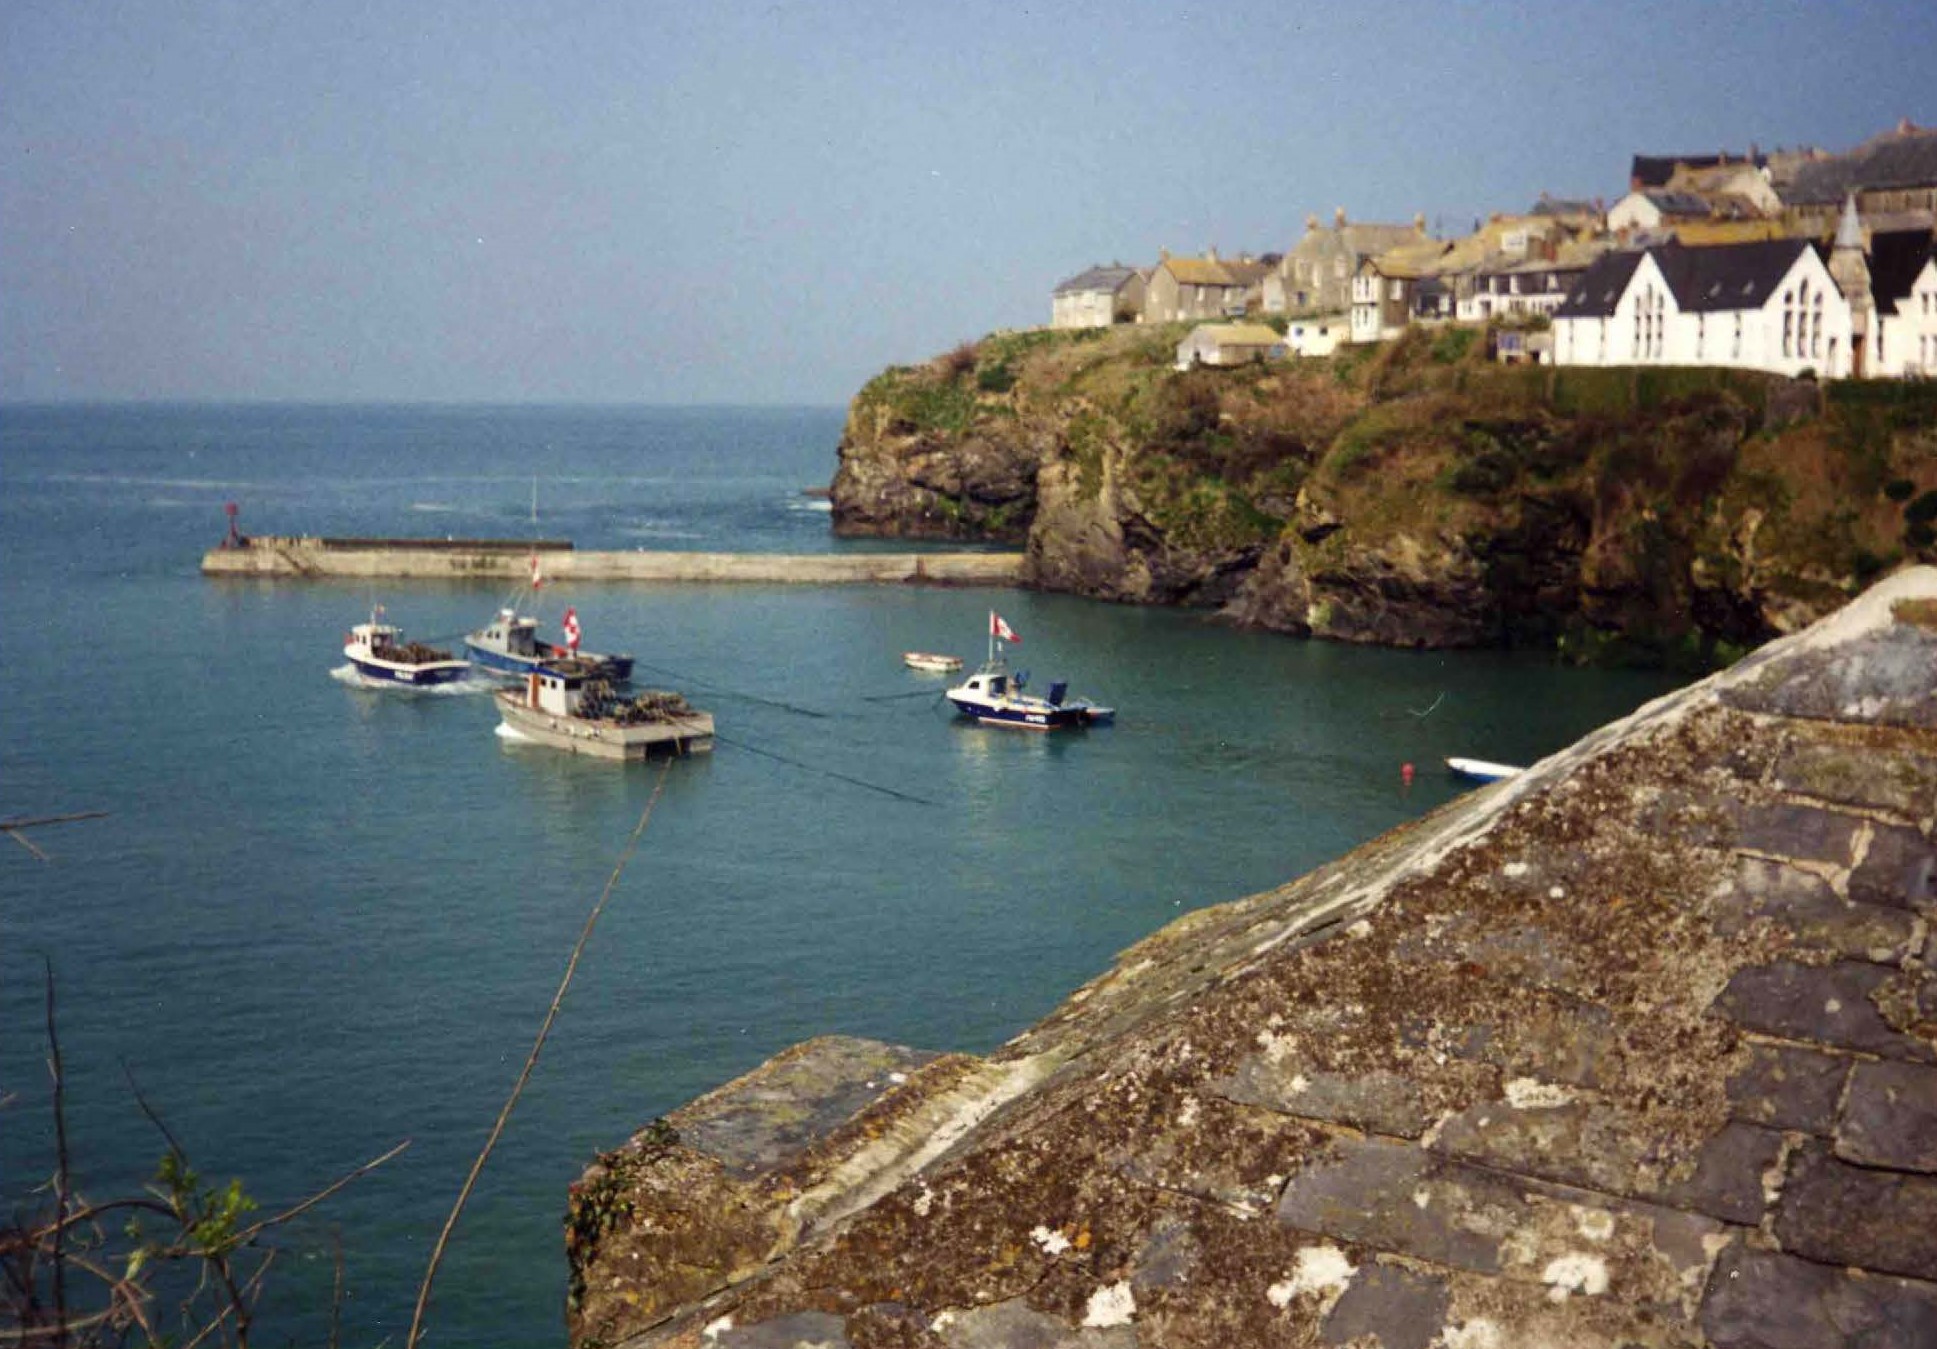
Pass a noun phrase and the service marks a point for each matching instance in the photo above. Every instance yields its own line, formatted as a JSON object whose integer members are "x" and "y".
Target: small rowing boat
{"x": 1479, "y": 770}
{"x": 931, "y": 663}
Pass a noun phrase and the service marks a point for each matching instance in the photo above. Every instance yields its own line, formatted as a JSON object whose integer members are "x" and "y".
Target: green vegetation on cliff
{"x": 1412, "y": 493}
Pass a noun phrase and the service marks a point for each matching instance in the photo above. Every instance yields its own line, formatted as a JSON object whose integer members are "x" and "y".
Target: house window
{"x": 1816, "y": 328}
{"x": 1392, "y": 290}
{"x": 1701, "y": 336}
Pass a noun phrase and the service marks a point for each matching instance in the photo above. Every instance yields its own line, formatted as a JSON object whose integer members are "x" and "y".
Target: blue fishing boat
{"x": 379, "y": 652}
{"x": 994, "y": 695}
{"x": 509, "y": 646}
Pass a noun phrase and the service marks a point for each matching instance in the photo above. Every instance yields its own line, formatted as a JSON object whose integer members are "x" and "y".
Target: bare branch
{"x": 249, "y": 1233}
{"x": 60, "y": 1156}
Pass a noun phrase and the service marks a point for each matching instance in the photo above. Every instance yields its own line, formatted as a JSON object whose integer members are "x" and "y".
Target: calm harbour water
{"x": 319, "y": 919}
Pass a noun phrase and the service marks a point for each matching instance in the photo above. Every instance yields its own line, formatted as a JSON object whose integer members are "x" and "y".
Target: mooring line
{"x": 795, "y": 708}
{"x": 825, "y": 772}
{"x": 531, "y": 1060}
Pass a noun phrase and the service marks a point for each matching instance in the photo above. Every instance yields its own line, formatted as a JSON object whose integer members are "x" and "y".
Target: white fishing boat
{"x": 378, "y": 651}
{"x": 994, "y": 695}
{"x": 569, "y": 706}
{"x": 1480, "y": 770}
{"x": 930, "y": 662}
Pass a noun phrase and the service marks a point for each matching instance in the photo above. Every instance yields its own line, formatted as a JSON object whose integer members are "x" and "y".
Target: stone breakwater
{"x": 1637, "y": 1049}
{"x": 497, "y": 560}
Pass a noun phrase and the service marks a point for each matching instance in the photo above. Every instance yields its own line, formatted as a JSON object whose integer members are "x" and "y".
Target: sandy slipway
{"x": 1638, "y": 1049}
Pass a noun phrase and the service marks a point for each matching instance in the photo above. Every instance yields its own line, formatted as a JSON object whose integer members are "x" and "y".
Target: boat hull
{"x": 618, "y": 669}
{"x": 690, "y": 734}
{"x": 410, "y": 676}
{"x": 1029, "y": 715}
{"x": 1480, "y": 770}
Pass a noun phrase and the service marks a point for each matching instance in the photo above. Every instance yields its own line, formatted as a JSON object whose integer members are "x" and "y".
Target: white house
{"x": 1903, "y": 285}
{"x": 1229, "y": 344}
{"x": 1654, "y": 209}
{"x": 1319, "y": 336}
{"x": 1771, "y": 305}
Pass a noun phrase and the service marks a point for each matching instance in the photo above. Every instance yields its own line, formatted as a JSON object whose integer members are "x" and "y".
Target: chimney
{"x": 1210, "y": 254}
{"x": 1419, "y": 222}
{"x": 1163, "y": 254}
{"x": 1311, "y": 224}
{"x": 1338, "y": 218}
{"x": 1905, "y": 126}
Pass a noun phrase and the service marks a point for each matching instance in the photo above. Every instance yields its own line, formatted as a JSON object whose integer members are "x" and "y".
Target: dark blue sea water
{"x": 319, "y": 920}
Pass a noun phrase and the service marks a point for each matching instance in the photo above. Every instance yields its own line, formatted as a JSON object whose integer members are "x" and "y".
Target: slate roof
{"x": 1704, "y": 280}
{"x": 1109, "y": 280}
{"x": 1655, "y": 170}
{"x": 1898, "y": 160}
{"x": 1732, "y": 276}
{"x": 1896, "y": 260}
{"x": 1238, "y": 334}
{"x": 1678, "y": 203}
{"x": 1601, "y": 286}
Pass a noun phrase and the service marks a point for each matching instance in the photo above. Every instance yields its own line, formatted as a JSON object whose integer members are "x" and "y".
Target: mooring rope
{"x": 531, "y": 1059}
{"x": 898, "y": 794}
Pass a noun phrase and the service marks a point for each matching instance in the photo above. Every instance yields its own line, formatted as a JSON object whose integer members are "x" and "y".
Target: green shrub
{"x": 1451, "y": 345}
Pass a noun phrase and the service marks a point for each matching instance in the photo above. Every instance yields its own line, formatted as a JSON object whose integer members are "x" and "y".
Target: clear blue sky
{"x": 470, "y": 200}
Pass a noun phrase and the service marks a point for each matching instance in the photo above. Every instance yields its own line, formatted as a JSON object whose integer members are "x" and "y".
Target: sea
{"x": 318, "y": 920}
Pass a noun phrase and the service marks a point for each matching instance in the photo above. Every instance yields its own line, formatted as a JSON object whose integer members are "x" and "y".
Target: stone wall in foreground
{"x": 1638, "y": 1049}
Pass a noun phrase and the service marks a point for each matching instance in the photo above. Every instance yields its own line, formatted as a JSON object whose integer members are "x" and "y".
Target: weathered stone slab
{"x": 1806, "y": 906}
{"x": 1596, "y": 1147}
{"x": 1826, "y": 1004}
{"x": 1168, "y": 1255}
{"x": 1848, "y": 1215}
{"x": 1900, "y": 868}
{"x": 768, "y": 1118}
{"x": 1788, "y": 1087}
{"x": 1016, "y": 1325}
{"x": 1402, "y": 1309}
{"x": 1881, "y": 778}
{"x": 1802, "y": 833}
{"x": 1882, "y": 678}
{"x": 1400, "y": 1198}
{"x": 1560, "y": 1039}
{"x": 1766, "y": 1300}
{"x": 1890, "y": 1118}
{"x": 1382, "y": 1102}
{"x": 799, "y": 1330}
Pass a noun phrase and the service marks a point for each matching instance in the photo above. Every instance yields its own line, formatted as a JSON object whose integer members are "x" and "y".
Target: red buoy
{"x": 1405, "y": 773}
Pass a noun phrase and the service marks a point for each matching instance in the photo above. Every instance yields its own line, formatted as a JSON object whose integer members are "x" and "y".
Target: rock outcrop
{"x": 1412, "y": 495}
{"x": 1637, "y": 1049}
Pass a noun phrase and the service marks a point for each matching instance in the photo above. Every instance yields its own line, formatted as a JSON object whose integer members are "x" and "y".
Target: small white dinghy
{"x": 1479, "y": 770}
{"x": 930, "y": 662}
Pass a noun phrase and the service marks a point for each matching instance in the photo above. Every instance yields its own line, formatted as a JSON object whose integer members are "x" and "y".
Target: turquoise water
{"x": 319, "y": 920}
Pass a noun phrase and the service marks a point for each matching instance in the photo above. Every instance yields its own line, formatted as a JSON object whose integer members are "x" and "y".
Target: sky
{"x": 478, "y": 201}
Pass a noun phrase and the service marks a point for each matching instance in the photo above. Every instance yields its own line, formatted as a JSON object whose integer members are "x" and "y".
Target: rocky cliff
{"x": 1408, "y": 495}
{"x": 1636, "y": 1050}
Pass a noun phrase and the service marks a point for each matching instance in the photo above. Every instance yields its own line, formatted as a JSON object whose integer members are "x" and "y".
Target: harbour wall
{"x": 495, "y": 560}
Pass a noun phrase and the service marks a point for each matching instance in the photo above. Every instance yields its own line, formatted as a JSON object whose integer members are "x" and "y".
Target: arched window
{"x": 1816, "y": 326}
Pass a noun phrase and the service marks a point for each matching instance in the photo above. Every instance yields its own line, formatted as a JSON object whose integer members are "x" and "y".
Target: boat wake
{"x": 469, "y": 686}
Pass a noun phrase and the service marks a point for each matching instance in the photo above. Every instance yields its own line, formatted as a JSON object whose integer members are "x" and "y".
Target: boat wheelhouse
{"x": 508, "y": 645}
{"x": 994, "y": 694}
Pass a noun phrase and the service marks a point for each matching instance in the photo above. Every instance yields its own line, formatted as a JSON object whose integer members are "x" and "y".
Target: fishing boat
{"x": 379, "y": 652}
{"x": 994, "y": 695}
{"x": 931, "y": 663}
{"x": 568, "y": 705}
{"x": 1479, "y": 770}
{"x": 509, "y": 646}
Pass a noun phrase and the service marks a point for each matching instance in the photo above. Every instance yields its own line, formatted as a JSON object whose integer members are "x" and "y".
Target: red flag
{"x": 537, "y": 576}
{"x": 571, "y": 629}
{"x": 997, "y": 628}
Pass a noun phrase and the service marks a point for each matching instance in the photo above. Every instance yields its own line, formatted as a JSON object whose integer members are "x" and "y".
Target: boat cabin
{"x": 559, "y": 692}
{"x": 373, "y": 640}
{"x": 512, "y": 635}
